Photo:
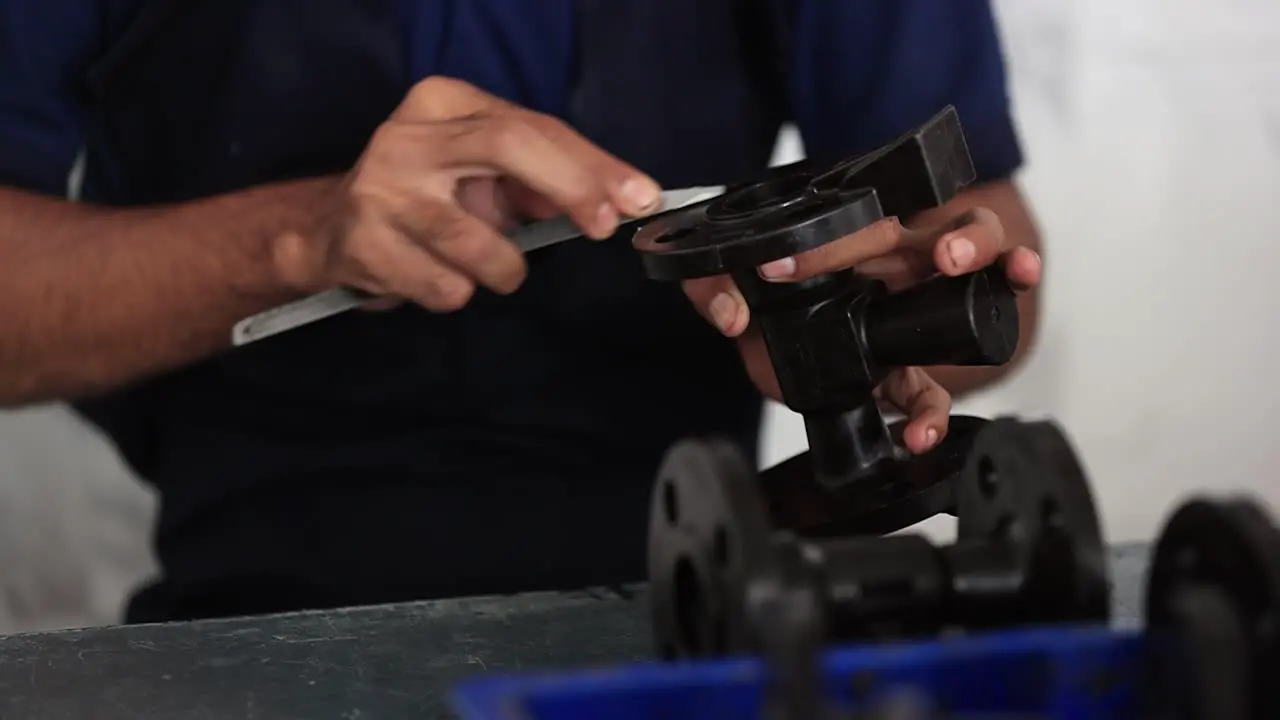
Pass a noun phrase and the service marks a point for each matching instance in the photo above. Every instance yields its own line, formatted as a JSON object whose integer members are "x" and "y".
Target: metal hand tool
{"x": 533, "y": 236}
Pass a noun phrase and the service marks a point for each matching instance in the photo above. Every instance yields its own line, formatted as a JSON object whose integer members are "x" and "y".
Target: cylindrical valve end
{"x": 967, "y": 320}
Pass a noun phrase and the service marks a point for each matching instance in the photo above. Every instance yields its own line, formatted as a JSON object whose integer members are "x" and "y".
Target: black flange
{"x": 832, "y": 339}
{"x": 791, "y": 212}
{"x": 1029, "y": 552}
{"x": 1213, "y": 613}
{"x": 709, "y": 535}
{"x": 1023, "y": 489}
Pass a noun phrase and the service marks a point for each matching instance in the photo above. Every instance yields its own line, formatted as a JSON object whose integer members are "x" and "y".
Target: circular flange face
{"x": 750, "y": 201}
{"x": 751, "y": 226}
{"x": 708, "y": 534}
{"x": 1231, "y": 547}
{"x": 900, "y": 494}
{"x": 1022, "y": 486}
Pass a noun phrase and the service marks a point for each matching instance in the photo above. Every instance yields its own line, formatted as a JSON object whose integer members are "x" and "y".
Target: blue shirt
{"x": 511, "y": 446}
{"x": 863, "y": 71}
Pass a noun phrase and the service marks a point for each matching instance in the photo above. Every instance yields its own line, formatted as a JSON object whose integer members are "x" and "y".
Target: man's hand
{"x": 421, "y": 216}
{"x": 899, "y": 256}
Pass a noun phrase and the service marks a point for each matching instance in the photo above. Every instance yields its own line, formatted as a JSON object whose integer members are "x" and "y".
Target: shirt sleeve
{"x": 865, "y": 71}
{"x": 45, "y": 50}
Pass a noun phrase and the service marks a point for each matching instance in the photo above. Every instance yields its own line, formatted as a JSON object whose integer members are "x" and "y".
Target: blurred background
{"x": 1152, "y": 131}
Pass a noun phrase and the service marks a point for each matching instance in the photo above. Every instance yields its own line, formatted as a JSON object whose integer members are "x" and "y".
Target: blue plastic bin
{"x": 1065, "y": 673}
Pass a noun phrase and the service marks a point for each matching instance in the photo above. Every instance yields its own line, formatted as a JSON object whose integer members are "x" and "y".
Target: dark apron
{"x": 590, "y": 369}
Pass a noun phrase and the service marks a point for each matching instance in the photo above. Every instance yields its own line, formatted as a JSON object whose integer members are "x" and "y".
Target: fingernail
{"x": 778, "y": 269}
{"x": 930, "y": 437}
{"x": 724, "y": 310}
{"x": 642, "y": 193}
{"x": 961, "y": 251}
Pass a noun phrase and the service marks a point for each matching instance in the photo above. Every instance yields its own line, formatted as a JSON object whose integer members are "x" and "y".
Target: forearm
{"x": 1004, "y": 199}
{"x": 93, "y": 298}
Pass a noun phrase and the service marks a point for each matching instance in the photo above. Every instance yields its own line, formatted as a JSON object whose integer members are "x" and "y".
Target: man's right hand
{"x": 421, "y": 215}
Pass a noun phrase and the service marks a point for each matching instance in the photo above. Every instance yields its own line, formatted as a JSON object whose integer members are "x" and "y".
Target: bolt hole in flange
{"x": 690, "y": 607}
{"x": 988, "y": 478}
{"x": 677, "y": 234}
{"x": 697, "y": 566}
{"x": 1026, "y": 489}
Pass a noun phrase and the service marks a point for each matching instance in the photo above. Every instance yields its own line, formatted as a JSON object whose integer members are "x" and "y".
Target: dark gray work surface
{"x": 392, "y": 662}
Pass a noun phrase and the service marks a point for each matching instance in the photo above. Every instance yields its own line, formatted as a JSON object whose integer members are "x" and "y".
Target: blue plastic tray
{"x": 1065, "y": 673}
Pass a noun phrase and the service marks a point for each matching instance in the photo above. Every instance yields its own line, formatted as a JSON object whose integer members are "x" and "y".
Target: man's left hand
{"x": 901, "y": 257}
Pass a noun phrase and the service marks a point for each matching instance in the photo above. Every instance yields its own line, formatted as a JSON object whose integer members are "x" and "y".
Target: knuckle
{"x": 474, "y": 132}
{"x": 452, "y": 232}
{"x": 934, "y": 393}
{"x": 450, "y": 293}
{"x": 594, "y": 168}
{"x": 989, "y": 223}
{"x": 474, "y": 250}
{"x": 437, "y": 84}
{"x": 434, "y": 94}
{"x": 984, "y": 216}
{"x": 488, "y": 256}
{"x": 507, "y": 135}
{"x": 465, "y": 249}
{"x": 439, "y": 98}
{"x": 824, "y": 259}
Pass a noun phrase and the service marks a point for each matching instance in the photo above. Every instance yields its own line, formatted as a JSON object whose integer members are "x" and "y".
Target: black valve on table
{"x": 833, "y": 338}
{"x": 1029, "y": 550}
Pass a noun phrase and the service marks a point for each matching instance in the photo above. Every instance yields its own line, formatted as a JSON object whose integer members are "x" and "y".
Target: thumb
{"x": 483, "y": 198}
{"x": 527, "y": 202}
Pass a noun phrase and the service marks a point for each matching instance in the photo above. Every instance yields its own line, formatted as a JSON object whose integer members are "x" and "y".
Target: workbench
{"x": 391, "y": 662}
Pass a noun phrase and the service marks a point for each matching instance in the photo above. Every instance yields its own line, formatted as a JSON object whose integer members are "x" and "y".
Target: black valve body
{"x": 834, "y": 338}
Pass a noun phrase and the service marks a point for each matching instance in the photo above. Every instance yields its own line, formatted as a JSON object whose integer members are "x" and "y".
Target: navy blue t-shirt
{"x": 510, "y": 446}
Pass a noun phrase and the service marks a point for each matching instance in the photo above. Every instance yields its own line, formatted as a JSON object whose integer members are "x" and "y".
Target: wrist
{"x": 300, "y": 256}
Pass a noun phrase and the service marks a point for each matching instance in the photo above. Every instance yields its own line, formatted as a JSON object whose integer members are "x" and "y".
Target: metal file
{"x": 533, "y": 236}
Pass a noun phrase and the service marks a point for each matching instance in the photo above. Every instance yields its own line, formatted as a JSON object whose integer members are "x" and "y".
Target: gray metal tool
{"x": 533, "y": 236}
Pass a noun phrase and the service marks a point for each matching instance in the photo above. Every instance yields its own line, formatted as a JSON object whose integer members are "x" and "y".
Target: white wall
{"x": 74, "y": 525}
{"x": 1153, "y": 132}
